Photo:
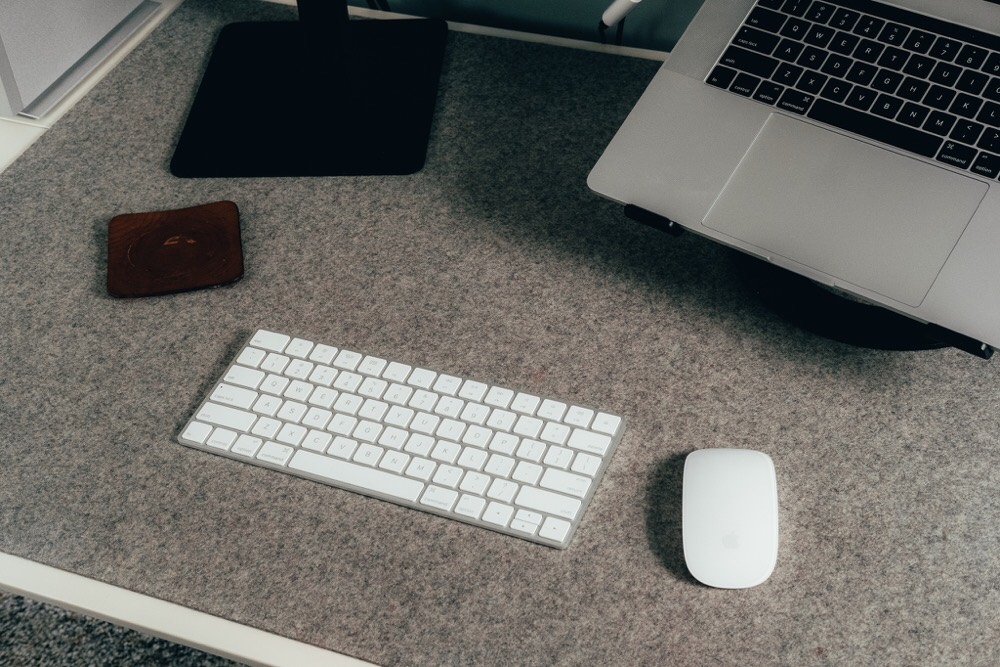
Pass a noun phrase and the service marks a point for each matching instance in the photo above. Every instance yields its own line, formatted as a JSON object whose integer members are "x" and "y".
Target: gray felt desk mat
{"x": 494, "y": 262}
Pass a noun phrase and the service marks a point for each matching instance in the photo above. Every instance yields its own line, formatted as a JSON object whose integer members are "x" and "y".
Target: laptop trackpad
{"x": 856, "y": 212}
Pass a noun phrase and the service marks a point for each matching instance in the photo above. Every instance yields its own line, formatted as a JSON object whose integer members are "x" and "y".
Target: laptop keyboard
{"x": 908, "y": 80}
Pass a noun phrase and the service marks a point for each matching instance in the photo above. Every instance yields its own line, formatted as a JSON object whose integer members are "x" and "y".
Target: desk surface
{"x": 495, "y": 262}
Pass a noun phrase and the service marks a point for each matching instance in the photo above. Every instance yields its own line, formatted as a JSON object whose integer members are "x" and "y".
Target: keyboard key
{"x": 869, "y": 26}
{"x": 768, "y": 93}
{"x": 919, "y": 66}
{"x": 606, "y": 423}
{"x": 939, "y": 97}
{"x": 844, "y": 43}
{"x": 274, "y": 453}
{"x": 966, "y": 105}
{"x": 845, "y": 19}
{"x": 721, "y": 77}
{"x": 498, "y": 513}
{"x": 972, "y": 56}
{"x": 819, "y": 36}
{"x": 197, "y": 431}
{"x": 794, "y": 28}
{"x": 269, "y": 340}
{"x": 749, "y": 61}
{"x": 221, "y": 415}
{"x": 945, "y": 74}
{"x": 588, "y": 441}
{"x": 236, "y": 397}
{"x": 756, "y": 40}
{"x": 887, "y": 106}
{"x": 919, "y": 41}
{"x": 788, "y": 50}
{"x": 893, "y": 58}
{"x": 966, "y": 132}
{"x": 972, "y": 82}
{"x": 837, "y": 66}
{"x": 244, "y": 377}
{"x": 957, "y": 155}
{"x": 990, "y": 114}
{"x": 860, "y": 98}
{"x": 820, "y": 12}
{"x": 299, "y": 347}
{"x": 836, "y": 90}
{"x": 868, "y": 51}
{"x": 987, "y": 164}
{"x": 565, "y": 482}
{"x": 787, "y": 75}
{"x": 913, "y": 89}
{"x": 795, "y": 7}
{"x": 744, "y": 85}
{"x": 913, "y": 115}
{"x": 893, "y": 33}
{"x": 547, "y": 501}
{"x": 247, "y": 445}
{"x": 940, "y": 123}
{"x": 554, "y": 529}
{"x": 945, "y": 48}
{"x": 795, "y": 101}
{"x": 765, "y": 19}
{"x": 990, "y": 140}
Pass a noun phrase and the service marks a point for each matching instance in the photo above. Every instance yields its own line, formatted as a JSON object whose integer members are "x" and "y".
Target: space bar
{"x": 873, "y": 127}
{"x": 361, "y": 477}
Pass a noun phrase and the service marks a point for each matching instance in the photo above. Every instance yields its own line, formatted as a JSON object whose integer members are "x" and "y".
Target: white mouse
{"x": 729, "y": 517}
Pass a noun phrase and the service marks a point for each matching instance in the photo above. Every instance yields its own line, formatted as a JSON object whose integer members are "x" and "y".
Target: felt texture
{"x": 497, "y": 263}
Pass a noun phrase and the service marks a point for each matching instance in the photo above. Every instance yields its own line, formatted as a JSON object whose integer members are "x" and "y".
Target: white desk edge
{"x": 142, "y": 612}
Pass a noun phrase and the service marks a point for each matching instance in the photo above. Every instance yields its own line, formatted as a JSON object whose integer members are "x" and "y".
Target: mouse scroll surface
{"x": 730, "y": 517}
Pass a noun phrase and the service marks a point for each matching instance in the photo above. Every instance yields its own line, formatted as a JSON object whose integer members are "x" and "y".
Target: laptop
{"x": 853, "y": 142}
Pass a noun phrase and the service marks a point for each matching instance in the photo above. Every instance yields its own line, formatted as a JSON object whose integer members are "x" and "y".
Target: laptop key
{"x": 748, "y": 61}
{"x": 744, "y": 84}
{"x": 957, "y": 155}
{"x": 795, "y": 101}
{"x": 756, "y": 40}
{"x": 765, "y": 19}
{"x": 721, "y": 77}
{"x": 987, "y": 164}
{"x": 768, "y": 93}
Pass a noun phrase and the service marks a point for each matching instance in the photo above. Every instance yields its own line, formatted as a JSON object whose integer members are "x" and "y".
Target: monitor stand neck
{"x": 325, "y": 27}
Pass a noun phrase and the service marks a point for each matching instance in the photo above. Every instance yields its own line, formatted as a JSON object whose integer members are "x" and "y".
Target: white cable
{"x": 617, "y": 11}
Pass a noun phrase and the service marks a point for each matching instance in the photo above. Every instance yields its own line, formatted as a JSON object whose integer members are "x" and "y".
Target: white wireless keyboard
{"x": 505, "y": 460}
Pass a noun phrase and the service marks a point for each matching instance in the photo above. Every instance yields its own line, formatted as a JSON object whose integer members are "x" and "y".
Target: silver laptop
{"x": 854, "y": 142}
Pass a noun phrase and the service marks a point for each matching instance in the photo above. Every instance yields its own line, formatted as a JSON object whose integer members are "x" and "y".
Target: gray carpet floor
{"x": 35, "y": 634}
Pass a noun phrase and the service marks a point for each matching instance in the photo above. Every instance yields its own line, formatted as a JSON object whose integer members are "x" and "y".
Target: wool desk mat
{"x": 497, "y": 263}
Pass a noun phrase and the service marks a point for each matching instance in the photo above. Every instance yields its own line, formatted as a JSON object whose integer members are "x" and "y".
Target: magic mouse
{"x": 729, "y": 517}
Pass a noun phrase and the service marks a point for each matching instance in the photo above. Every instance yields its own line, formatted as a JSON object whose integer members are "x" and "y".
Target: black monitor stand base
{"x": 327, "y": 97}
{"x": 830, "y": 314}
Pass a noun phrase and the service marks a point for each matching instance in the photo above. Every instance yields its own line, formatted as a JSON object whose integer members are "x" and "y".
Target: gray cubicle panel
{"x": 47, "y": 47}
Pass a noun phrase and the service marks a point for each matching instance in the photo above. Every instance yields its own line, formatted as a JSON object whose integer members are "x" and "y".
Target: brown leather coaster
{"x": 164, "y": 252}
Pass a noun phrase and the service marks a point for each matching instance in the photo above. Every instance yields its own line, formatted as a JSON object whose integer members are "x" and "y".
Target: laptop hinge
{"x": 959, "y": 341}
{"x": 653, "y": 220}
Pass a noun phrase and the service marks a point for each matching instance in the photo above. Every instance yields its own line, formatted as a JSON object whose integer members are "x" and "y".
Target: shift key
{"x": 748, "y": 61}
